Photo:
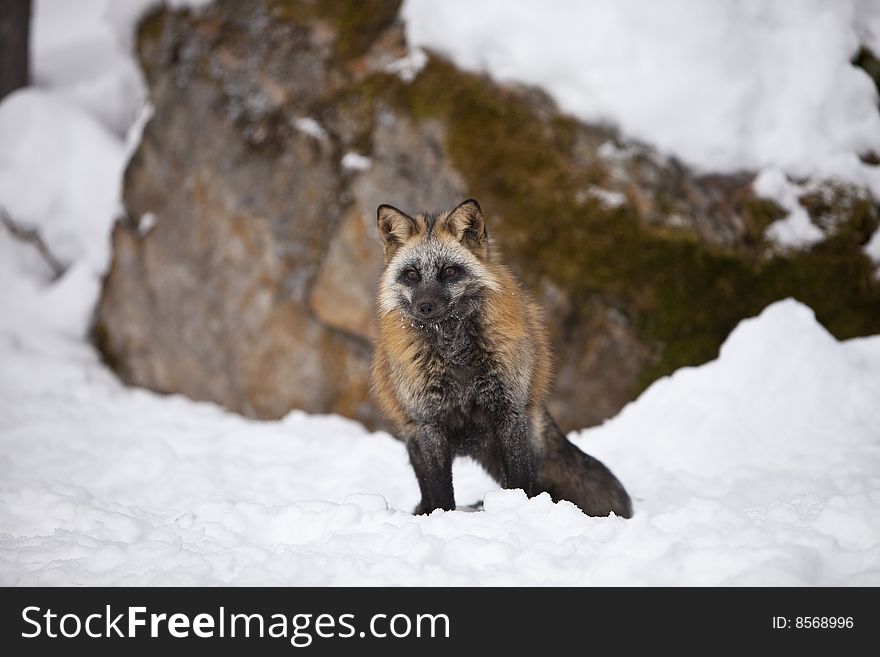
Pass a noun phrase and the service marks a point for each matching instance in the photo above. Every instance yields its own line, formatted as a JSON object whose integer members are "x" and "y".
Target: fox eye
{"x": 449, "y": 272}
{"x": 411, "y": 276}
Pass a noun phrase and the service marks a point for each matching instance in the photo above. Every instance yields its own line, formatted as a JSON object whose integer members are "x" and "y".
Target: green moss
{"x": 358, "y": 22}
{"x": 758, "y": 213}
{"x": 682, "y": 296}
{"x": 834, "y": 203}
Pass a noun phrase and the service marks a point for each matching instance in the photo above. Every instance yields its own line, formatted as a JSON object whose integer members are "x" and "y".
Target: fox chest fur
{"x": 451, "y": 376}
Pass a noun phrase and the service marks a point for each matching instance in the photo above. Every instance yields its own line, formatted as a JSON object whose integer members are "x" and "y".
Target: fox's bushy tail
{"x": 567, "y": 473}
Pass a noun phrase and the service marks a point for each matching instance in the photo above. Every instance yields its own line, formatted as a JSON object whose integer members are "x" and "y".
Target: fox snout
{"x": 429, "y": 302}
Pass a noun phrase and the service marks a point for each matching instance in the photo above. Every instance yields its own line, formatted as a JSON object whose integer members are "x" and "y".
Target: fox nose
{"x": 429, "y": 304}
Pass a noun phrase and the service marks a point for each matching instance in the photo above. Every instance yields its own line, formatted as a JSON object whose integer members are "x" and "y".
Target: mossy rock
{"x": 357, "y": 22}
{"x": 664, "y": 272}
{"x": 683, "y": 295}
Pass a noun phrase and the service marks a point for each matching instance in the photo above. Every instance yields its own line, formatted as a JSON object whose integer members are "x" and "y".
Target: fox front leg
{"x": 518, "y": 462}
{"x": 431, "y": 458}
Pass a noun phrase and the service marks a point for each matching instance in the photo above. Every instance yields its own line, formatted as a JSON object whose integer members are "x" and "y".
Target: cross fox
{"x": 462, "y": 366}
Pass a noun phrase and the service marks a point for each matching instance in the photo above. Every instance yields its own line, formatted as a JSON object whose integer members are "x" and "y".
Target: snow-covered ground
{"x": 762, "y": 467}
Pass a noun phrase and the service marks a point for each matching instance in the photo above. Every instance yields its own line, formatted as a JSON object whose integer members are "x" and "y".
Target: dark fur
{"x": 470, "y": 377}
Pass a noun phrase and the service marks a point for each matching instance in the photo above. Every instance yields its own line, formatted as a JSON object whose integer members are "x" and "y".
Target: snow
{"x": 872, "y": 247}
{"x": 59, "y": 173}
{"x": 408, "y": 66}
{"x": 146, "y": 223}
{"x": 66, "y": 140}
{"x": 356, "y": 161}
{"x": 81, "y": 51}
{"x": 724, "y": 86}
{"x": 311, "y": 127}
{"x": 795, "y": 230}
{"x": 606, "y": 197}
{"x": 77, "y": 53}
{"x": 761, "y": 467}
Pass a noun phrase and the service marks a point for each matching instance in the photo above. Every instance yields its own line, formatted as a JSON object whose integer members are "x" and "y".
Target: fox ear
{"x": 395, "y": 227}
{"x": 467, "y": 224}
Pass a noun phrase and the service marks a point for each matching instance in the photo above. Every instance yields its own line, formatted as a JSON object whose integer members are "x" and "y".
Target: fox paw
{"x": 424, "y": 509}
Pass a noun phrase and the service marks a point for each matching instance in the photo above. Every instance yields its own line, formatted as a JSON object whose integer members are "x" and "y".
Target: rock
{"x": 244, "y": 271}
{"x": 343, "y": 293}
{"x": 212, "y": 301}
{"x": 409, "y": 170}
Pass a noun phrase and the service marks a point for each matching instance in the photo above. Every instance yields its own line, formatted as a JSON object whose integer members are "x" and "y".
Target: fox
{"x": 462, "y": 366}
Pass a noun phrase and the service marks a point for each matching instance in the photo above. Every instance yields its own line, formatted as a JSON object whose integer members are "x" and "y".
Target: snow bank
{"x": 77, "y": 52}
{"x": 66, "y": 140}
{"x": 784, "y": 394}
{"x": 82, "y": 51}
{"x": 63, "y": 140}
{"x": 60, "y": 173}
{"x": 724, "y": 85}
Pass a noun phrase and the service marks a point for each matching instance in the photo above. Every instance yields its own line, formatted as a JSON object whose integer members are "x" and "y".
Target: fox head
{"x": 436, "y": 266}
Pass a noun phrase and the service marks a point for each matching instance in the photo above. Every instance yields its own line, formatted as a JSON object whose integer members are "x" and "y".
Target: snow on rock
{"x": 408, "y": 66}
{"x": 355, "y": 161}
{"x": 60, "y": 172}
{"x": 607, "y": 197}
{"x": 724, "y": 85}
{"x": 795, "y": 230}
{"x": 311, "y": 127}
{"x": 872, "y": 247}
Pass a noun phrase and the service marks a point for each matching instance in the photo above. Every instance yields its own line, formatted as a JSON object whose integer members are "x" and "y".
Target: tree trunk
{"x": 15, "y": 16}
